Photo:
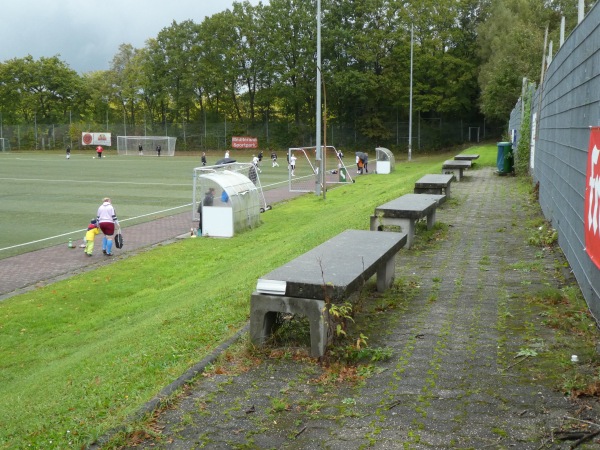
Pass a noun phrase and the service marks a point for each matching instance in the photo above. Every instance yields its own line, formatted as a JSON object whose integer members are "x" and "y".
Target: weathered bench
{"x": 455, "y": 167}
{"x": 405, "y": 211}
{"x": 434, "y": 184}
{"x": 467, "y": 157}
{"x": 331, "y": 272}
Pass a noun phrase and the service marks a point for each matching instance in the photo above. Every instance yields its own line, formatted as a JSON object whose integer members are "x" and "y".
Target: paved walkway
{"x": 450, "y": 381}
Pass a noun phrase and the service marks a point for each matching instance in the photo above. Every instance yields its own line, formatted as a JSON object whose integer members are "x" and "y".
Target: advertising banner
{"x": 592, "y": 198}
{"x": 244, "y": 142}
{"x": 88, "y": 138}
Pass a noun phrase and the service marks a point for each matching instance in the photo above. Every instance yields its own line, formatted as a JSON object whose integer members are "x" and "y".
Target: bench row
{"x": 337, "y": 269}
{"x": 458, "y": 165}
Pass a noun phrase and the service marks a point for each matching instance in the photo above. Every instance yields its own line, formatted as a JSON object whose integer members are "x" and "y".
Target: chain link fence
{"x": 428, "y": 134}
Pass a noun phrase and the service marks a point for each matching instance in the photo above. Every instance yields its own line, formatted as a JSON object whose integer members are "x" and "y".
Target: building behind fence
{"x": 563, "y": 108}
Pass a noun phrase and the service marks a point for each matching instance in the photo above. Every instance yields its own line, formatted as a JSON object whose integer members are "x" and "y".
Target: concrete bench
{"x": 332, "y": 272}
{"x": 455, "y": 167}
{"x": 466, "y": 157}
{"x": 434, "y": 184}
{"x": 405, "y": 211}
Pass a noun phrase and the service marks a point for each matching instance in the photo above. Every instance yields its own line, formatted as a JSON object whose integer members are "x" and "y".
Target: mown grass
{"x": 80, "y": 356}
{"x": 47, "y": 199}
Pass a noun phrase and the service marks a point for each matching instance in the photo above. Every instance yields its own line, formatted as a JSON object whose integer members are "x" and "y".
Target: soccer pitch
{"x": 47, "y": 199}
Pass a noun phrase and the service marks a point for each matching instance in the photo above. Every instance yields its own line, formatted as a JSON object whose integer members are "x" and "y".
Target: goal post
{"x": 304, "y": 175}
{"x": 130, "y": 145}
{"x": 4, "y": 145}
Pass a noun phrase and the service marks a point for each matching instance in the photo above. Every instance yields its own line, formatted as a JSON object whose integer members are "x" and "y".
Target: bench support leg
{"x": 386, "y": 274}
{"x": 406, "y": 225}
{"x": 456, "y": 172}
{"x": 264, "y": 309}
{"x": 431, "y": 220}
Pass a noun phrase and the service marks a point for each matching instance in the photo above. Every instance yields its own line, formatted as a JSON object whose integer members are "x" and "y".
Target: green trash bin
{"x": 505, "y": 160}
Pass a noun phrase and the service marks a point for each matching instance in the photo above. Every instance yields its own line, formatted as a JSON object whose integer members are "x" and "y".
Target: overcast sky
{"x": 86, "y": 34}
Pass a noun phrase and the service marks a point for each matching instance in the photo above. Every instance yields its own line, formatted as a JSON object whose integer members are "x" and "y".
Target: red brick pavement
{"x": 28, "y": 271}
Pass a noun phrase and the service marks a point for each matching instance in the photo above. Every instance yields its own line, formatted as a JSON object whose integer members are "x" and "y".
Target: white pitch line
{"x": 95, "y": 182}
{"x": 85, "y": 229}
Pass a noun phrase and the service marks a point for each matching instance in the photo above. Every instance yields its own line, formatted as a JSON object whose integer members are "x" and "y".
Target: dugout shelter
{"x": 235, "y": 205}
{"x": 386, "y": 162}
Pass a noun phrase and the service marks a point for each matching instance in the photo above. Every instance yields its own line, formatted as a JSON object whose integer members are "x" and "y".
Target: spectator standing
{"x": 209, "y": 199}
{"x": 107, "y": 219}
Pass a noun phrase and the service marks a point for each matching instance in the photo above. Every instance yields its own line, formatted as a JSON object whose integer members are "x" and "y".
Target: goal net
{"x": 304, "y": 175}
{"x": 130, "y": 145}
{"x": 4, "y": 145}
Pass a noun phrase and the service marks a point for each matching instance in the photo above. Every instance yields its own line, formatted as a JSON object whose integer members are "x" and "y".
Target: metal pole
{"x": 411, "y": 95}
{"x": 318, "y": 105}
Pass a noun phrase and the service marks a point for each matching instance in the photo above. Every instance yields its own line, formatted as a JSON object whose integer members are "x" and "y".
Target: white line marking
{"x": 95, "y": 182}
{"x": 83, "y": 230}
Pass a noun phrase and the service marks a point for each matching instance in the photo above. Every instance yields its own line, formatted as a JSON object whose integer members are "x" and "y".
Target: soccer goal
{"x": 306, "y": 168}
{"x": 4, "y": 145}
{"x": 130, "y": 145}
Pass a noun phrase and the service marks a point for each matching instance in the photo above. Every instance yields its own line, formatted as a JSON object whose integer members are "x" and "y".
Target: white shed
{"x": 225, "y": 200}
{"x": 385, "y": 160}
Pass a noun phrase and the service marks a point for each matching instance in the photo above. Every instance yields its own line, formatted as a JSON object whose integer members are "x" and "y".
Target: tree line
{"x": 253, "y": 64}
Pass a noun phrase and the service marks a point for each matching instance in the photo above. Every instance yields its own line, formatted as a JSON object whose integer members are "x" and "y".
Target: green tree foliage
{"x": 511, "y": 46}
{"x": 43, "y": 90}
{"x": 250, "y": 64}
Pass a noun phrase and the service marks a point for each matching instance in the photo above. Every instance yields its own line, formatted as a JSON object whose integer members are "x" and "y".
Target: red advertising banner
{"x": 592, "y": 198}
{"x": 88, "y": 138}
{"x": 244, "y": 142}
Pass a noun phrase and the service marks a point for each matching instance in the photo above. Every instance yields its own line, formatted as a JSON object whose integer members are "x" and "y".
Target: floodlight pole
{"x": 411, "y": 95}
{"x": 319, "y": 155}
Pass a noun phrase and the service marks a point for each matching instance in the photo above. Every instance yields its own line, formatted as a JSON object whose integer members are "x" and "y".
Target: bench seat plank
{"x": 455, "y": 167}
{"x": 404, "y": 211}
{"x": 467, "y": 157}
{"x": 408, "y": 206}
{"x": 346, "y": 261}
{"x": 434, "y": 184}
{"x": 333, "y": 271}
